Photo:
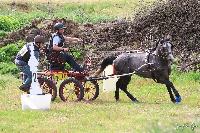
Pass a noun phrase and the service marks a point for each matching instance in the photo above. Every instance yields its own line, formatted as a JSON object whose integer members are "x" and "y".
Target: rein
{"x": 150, "y": 64}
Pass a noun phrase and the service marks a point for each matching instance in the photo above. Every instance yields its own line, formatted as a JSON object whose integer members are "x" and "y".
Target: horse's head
{"x": 164, "y": 50}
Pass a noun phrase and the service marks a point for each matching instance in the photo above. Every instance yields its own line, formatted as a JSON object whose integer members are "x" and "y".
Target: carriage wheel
{"x": 48, "y": 87}
{"x": 91, "y": 90}
{"x": 71, "y": 90}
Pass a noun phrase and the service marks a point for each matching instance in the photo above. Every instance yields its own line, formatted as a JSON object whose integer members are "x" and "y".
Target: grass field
{"x": 78, "y": 10}
{"x": 155, "y": 113}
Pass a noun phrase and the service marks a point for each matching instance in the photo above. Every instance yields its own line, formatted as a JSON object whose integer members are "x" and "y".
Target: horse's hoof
{"x": 135, "y": 101}
{"x": 117, "y": 100}
{"x": 178, "y": 99}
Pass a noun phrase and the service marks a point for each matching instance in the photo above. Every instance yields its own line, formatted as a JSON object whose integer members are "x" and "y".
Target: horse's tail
{"x": 107, "y": 61}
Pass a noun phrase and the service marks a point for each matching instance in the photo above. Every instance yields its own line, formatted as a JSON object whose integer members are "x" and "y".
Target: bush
{"x": 77, "y": 54}
{"x": 9, "y": 51}
{"x": 6, "y": 56}
{"x": 6, "y": 68}
{"x": 8, "y": 23}
{"x": 2, "y": 33}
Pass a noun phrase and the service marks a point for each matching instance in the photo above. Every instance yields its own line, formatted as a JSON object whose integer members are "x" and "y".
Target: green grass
{"x": 81, "y": 12}
{"x": 155, "y": 113}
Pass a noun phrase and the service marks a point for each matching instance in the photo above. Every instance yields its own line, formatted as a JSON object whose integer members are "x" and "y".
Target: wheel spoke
{"x": 67, "y": 92}
{"x": 92, "y": 93}
{"x": 89, "y": 89}
{"x": 45, "y": 88}
{"x": 48, "y": 87}
{"x": 72, "y": 91}
{"x": 88, "y": 95}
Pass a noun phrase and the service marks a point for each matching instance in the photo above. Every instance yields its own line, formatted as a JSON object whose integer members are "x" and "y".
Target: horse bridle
{"x": 157, "y": 44}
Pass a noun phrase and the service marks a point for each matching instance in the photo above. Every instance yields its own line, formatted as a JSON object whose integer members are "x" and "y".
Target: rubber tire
{"x": 51, "y": 85}
{"x": 77, "y": 83}
{"x": 96, "y": 85}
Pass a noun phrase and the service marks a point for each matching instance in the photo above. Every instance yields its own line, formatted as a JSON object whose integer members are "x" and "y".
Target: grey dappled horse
{"x": 155, "y": 64}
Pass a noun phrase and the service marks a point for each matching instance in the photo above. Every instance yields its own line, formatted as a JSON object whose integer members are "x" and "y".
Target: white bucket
{"x": 36, "y": 102}
{"x": 109, "y": 84}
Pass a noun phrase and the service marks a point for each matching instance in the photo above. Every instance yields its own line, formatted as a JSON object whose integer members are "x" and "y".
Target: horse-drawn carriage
{"x": 155, "y": 64}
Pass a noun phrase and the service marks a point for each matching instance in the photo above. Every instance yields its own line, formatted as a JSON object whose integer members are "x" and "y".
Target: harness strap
{"x": 150, "y": 68}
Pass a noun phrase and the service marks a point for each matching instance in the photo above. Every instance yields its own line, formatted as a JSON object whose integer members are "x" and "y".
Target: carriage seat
{"x": 57, "y": 66}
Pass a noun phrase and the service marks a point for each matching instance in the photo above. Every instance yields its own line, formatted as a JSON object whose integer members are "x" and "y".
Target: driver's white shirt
{"x": 56, "y": 40}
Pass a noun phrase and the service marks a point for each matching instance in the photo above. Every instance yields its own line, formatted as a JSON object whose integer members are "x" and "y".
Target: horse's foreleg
{"x": 170, "y": 88}
{"x": 170, "y": 94}
{"x": 163, "y": 78}
{"x": 177, "y": 95}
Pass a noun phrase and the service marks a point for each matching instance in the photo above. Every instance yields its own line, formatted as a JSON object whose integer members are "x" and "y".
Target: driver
{"x": 58, "y": 55}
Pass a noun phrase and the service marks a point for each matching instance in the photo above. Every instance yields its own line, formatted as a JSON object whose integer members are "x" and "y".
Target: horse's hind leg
{"x": 117, "y": 91}
{"x": 130, "y": 96}
{"x": 123, "y": 83}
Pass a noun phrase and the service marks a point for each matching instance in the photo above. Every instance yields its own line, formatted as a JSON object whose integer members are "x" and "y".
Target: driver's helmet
{"x": 58, "y": 26}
